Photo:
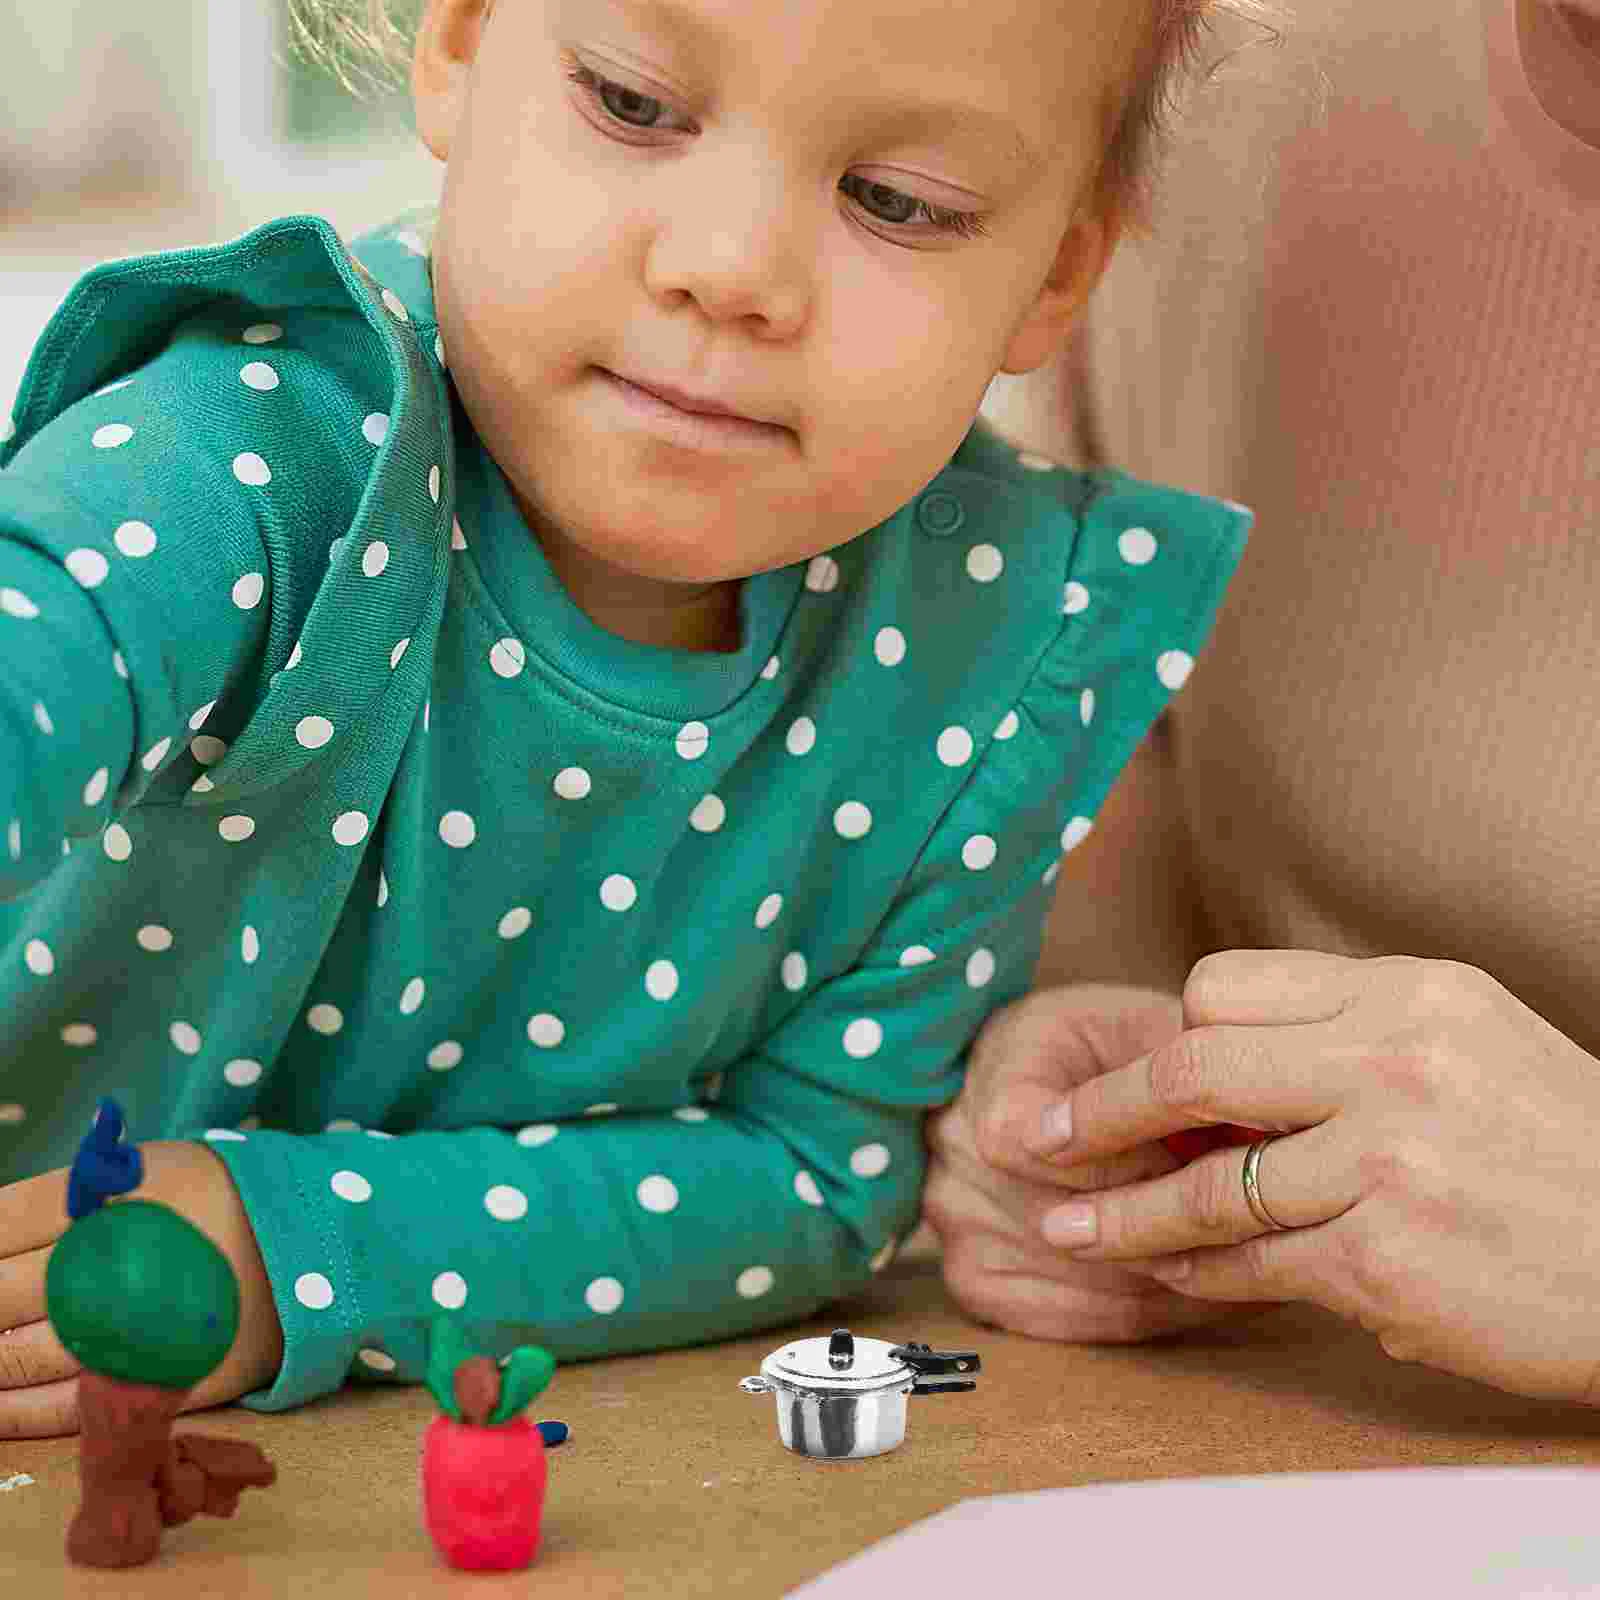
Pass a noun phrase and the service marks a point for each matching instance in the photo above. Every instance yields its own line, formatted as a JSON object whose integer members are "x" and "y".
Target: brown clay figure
{"x": 149, "y": 1307}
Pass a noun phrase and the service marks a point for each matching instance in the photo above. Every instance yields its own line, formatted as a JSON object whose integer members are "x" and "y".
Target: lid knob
{"x": 841, "y": 1349}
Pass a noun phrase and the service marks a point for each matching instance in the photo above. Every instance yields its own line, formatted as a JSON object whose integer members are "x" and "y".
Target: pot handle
{"x": 928, "y": 1364}
{"x": 757, "y": 1386}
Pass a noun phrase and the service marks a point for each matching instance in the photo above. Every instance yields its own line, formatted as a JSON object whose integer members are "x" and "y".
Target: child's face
{"x": 716, "y": 223}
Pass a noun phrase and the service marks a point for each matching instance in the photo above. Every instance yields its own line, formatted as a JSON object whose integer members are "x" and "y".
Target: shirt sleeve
{"x": 615, "y": 1234}
{"x": 145, "y": 576}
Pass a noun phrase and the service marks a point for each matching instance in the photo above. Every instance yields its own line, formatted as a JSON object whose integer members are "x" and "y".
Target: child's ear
{"x": 448, "y": 34}
{"x": 1081, "y": 259}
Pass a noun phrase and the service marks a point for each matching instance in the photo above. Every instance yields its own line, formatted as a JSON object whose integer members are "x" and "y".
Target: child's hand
{"x": 38, "y": 1377}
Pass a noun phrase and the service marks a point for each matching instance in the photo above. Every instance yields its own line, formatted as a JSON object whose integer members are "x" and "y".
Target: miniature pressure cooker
{"x": 843, "y": 1397}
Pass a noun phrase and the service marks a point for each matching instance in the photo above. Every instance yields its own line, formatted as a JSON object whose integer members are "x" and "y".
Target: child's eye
{"x": 968, "y": 224}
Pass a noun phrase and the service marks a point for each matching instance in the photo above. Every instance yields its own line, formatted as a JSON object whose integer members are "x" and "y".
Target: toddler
{"x": 536, "y": 846}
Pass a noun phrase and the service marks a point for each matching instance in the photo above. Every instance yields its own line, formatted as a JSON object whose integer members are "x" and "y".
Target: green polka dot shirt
{"x": 594, "y": 991}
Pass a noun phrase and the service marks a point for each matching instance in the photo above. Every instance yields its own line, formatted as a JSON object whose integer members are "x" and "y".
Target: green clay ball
{"x": 137, "y": 1292}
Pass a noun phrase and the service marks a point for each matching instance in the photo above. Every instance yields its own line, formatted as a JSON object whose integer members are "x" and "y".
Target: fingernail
{"x": 1070, "y": 1226}
{"x": 1055, "y": 1128}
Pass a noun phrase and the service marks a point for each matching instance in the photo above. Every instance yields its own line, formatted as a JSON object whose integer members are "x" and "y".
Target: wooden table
{"x": 674, "y": 1483}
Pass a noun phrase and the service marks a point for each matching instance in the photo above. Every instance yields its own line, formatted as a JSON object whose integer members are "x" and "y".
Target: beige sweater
{"x": 1373, "y": 316}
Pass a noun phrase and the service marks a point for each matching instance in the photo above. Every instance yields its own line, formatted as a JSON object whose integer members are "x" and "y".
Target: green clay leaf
{"x": 528, "y": 1369}
{"x": 447, "y": 1349}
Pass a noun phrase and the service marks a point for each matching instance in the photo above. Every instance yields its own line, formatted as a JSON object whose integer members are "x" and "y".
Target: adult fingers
{"x": 1031, "y": 1054}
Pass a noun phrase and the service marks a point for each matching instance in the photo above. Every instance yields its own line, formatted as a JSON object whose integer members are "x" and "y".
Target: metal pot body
{"x": 841, "y": 1427}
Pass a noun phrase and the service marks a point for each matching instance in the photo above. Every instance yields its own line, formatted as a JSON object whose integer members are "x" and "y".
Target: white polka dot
{"x": 802, "y": 735}
{"x": 852, "y": 820}
{"x": 155, "y": 755}
{"x": 980, "y": 968}
{"x": 1173, "y": 668}
{"x": 658, "y": 1194}
{"x": 249, "y": 468}
{"x": 341, "y": 1125}
{"x": 661, "y": 980}
{"x": 694, "y": 739}
{"x": 398, "y": 651}
{"x": 236, "y": 829}
{"x": 546, "y": 1030}
{"x": 119, "y": 666}
{"x": 111, "y": 435}
{"x": 16, "y": 604}
{"x": 822, "y": 574}
{"x": 325, "y": 1019}
{"x": 450, "y": 1291}
{"x": 242, "y": 1073}
{"x": 153, "y": 937}
{"x": 249, "y": 945}
{"x": 42, "y": 717}
{"x": 754, "y": 1282}
{"x": 793, "y": 969}
{"x": 889, "y": 646}
{"x": 539, "y": 1133}
{"x": 350, "y": 1186}
{"x": 79, "y": 1033}
{"x": 377, "y": 1360}
{"x": 219, "y": 1135}
{"x": 691, "y": 1114}
{"x": 116, "y": 843}
{"x": 767, "y": 911}
{"x": 433, "y": 484}
{"x": 1075, "y": 833}
{"x": 412, "y": 995}
{"x": 978, "y": 852}
{"x": 603, "y": 1296}
{"x": 248, "y": 590}
{"x": 208, "y": 751}
{"x": 313, "y": 732}
{"x": 94, "y": 791}
{"x": 618, "y": 892}
{"x": 507, "y": 657}
{"x": 383, "y": 889}
{"x": 709, "y": 815}
{"x": 806, "y": 1187}
{"x": 185, "y": 1037}
{"x": 313, "y": 1291}
{"x": 262, "y": 333}
{"x": 375, "y": 426}
{"x": 89, "y": 567}
{"x": 770, "y": 671}
{"x": 954, "y": 746}
{"x": 984, "y": 563}
{"x": 1086, "y": 707}
{"x": 869, "y": 1160}
{"x": 40, "y": 958}
{"x": 10, "y": 1111}
{"x": 294, "y": 658}
{"x": 457, "y": 829}
{"x": 515, "y": 922}
{"x": 1009, "y": 724}
{"x": 505, "y": 1204}
{"x": 1074, "y": 599}
{"x": 862, "y": 1038}
{"x": 1137, "y": 546}
{"x": 259, "y": 375}
{"x": 603, "y": 1109}
{"x": 350, "y": 828}
{"x": 458, "y": 540}
{"x": 572, "y": 783}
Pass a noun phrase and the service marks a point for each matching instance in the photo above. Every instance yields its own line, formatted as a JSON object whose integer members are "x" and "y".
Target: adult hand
{"x": 38, "y": 1376}
{"x": 988, "y": 1184}
{"x": 1438, "y": 1177}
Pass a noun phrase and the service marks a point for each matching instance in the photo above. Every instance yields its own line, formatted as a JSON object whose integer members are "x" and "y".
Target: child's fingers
{"x": 32, "y": 1355}
{"x": 22, "y": 1288}
{"x": 45, "y": 1411}
{"x": 33, "y": 1213}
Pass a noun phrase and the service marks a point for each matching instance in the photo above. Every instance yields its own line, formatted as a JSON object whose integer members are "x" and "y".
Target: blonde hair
{"x": 372, "y": 39}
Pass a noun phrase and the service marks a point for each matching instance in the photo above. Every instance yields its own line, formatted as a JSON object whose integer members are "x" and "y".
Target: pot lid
{"x": 841, "y": 1362}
